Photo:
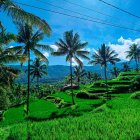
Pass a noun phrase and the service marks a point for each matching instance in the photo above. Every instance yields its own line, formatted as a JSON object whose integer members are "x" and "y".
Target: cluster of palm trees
{"x": 27, "y": 36}
{"x": 31, "y": 30}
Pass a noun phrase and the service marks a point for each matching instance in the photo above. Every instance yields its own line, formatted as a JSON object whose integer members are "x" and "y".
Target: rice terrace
{"x": 69, "y": 70}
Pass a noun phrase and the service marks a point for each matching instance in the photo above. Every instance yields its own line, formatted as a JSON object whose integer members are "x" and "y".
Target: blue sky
{"x": 95, "y": 34}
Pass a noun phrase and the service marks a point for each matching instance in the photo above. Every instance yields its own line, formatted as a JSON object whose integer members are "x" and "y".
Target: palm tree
{"x": 79, "y": 72}
{"x": 68, "y": 79}
{"x": 30, "y": 43}
{"x": 96, "y": 76}
{"x": 72, "y": 47}
{"x": 18, "y": 14}
{"x": 89, "y": 76}
{"x": 103, "y": 56}
{"x": 37, "y": 70}
{"x": 115, "y": 71}
{"x": 6, "y": 56}
{"x": 134, "y": 54}
{"x": 125, "y": 67}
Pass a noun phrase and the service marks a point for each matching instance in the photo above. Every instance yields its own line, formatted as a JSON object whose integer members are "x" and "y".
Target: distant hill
{"x": 59, "y": 72}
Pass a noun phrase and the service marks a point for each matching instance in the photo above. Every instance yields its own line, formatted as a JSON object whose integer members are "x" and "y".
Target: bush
{"x": 136, "y": 95}
{"x": 85, "y": 95}
{"x": 126, "y": 77}
{"x": 82, "y": 94}
{"x": 63, "y": 104}
{"x": 135, "y": 84}
{"x": 97, "y": 90}
{"x": 4, "y": 100}
{"x": 120, "y": 88}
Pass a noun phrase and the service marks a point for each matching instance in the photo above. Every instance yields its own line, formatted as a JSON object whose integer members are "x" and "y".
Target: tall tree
{"x": 7, "y": 56}
{"x": 96, "y": 76}
{"x": 103, "y": 56}
{"x": 18, "y": 14}
{"x": 79, "y": 72}
{"x": 72, "y": 47}
{"x": 134, "y": 54}
{"x": 38, "y": 69}
{"x": 29, "y": 40}
{"x": 126, "y": 67}
{"x": 89, "y": 76}
{"x": 115, "y": 71}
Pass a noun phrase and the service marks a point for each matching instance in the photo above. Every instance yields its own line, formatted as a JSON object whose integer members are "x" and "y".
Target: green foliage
{"x": 135, "y": 84}
{"x": 4, "y": 100}
{"x": 82, "y": 94}
{"x": 18, "y": 14}
{"x": 103, "y": 125}
{"x": 136, "y": 95}
{"x": 101, "y": 108}
{"x": 120, "y": 88}
{"x": 86, "y": 95}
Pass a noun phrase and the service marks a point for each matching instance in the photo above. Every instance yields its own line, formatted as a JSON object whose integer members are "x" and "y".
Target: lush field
{"x": 55, "y": 118}
{"x": 117, "y": 119}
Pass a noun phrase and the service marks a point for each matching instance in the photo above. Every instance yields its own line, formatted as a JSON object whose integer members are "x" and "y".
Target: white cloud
{"x": 122, "y": 46}
{"x": 90, "y": 50}
{"x": 54, "y": 47}
{"x": 11, "y": 46}
{"x": 46, "y": 54}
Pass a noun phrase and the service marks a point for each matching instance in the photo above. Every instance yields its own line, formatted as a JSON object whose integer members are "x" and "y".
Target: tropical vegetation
{"x": 44, "y": 110}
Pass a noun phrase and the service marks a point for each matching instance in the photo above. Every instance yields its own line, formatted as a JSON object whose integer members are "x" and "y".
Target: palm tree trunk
{"x": 106, "y": 81}
{"x": 37, "y": 81}
{"x": 28, "y": 92}
{"x": 136, "y": 64}
{"x": 71, "y": 82}
{"x": 78, "y": 80}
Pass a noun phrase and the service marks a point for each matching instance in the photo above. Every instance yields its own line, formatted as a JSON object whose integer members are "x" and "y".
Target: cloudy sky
{"x": 94, "y": 33}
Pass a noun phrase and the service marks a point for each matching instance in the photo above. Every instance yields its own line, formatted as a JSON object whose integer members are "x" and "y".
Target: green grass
{"x": 117, "y": 119}
{"x": 44, "y": 109}
{"x": 114, "y": 125}
{"x": 123, "y": 102}
{"x": 38, "y": 108}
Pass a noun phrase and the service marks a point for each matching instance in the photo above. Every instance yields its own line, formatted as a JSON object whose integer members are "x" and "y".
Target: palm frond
{"x": 18, "y": 14}
{"x": 40, "y": 55}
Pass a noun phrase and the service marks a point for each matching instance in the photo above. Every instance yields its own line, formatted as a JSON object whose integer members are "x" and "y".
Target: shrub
{"x": 136, "y": 95}
{"x": 4, "y": 100}
{"x": 97, "y": 90}
{"x": 135, "y": 84}
{"x": 63, "y": 104}
{"x": 82, "y": 94}
{"x": 120, "y": 88}
{"x": 85, "y": 95}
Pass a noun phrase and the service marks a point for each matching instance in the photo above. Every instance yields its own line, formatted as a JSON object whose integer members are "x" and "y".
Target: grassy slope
{"x": 43, "y": 109}
{"x": 120, "y": 121}
{"x": 117, "y": 119}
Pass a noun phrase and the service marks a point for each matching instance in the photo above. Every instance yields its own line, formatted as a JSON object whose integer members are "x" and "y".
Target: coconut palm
{"x": 79, "y": 72}
{"x": 96, "y": 76}
{"x": 126, "y": 67}
{"x": 89, "y": 76}
{"x": 93, "y": 76}
{"x": 18, "y": 14}
{"x": 103, "y": 56}
{"x": 29, "y": 40}
{"x": 6, "y": 56}
{"x": 37, "y": 70}
{"x": 134, "y": 54}
{"x": 72, "y": 47}
{"x": 115, "y": 71}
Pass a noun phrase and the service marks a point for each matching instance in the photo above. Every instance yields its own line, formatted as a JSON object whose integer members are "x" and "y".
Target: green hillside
{"x": 93, "y": 117}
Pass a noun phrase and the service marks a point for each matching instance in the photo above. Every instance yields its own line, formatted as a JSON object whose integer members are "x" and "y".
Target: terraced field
{"x": 92, "y": 117}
